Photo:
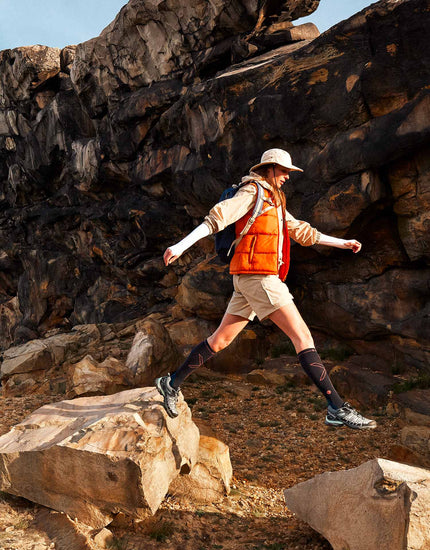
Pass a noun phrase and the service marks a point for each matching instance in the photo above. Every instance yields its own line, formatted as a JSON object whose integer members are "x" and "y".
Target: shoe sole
{"x": 337, "y": 424}
{"x": 161, "y": 391}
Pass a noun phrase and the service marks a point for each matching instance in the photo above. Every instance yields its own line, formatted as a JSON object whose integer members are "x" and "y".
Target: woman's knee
{"x": 218, "y": 342}
{"x": 302, "y": 340}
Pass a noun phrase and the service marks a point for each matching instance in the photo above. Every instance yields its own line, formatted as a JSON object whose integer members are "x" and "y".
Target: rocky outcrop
{"x": 150, "y": 42}
{"x": 105, "y": 163}
{"x": 95, "y": 457}
{"x": 391, "y": 504}
{"x": 91, "y": 359}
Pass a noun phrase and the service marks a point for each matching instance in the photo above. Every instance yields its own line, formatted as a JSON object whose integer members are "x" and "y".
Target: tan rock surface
{"x": 94, "y": 457}
{"x": 209, "y": 480}
{"x": 89, "y": 377}
{"x": 152, "y": 352}
{"x": 381, "y": 504}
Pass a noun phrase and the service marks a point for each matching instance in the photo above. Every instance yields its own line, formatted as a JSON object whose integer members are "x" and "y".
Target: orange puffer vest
{"x": 257, "y": 252}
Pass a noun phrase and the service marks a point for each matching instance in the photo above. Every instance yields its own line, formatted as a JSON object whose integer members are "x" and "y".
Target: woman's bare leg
{"x": 289, "y": 320}
{"x": 228, "y": 329}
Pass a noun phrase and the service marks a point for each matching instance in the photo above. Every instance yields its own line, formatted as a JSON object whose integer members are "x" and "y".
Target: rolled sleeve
{"x": 302, "y": 232}
{"x": 230, "y": 210}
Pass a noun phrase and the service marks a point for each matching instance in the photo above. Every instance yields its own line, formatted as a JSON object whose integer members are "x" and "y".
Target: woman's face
{"x": 277, "y": 176}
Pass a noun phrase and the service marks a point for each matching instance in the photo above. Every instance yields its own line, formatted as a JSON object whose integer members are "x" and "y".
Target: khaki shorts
{"x": 259, "y": 295}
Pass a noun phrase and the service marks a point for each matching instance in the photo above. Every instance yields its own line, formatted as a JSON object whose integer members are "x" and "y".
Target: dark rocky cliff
{"x": 111, "y": 150}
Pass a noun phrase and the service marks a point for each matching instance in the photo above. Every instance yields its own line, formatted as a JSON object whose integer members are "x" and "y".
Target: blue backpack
{"x": 225, "y": 240}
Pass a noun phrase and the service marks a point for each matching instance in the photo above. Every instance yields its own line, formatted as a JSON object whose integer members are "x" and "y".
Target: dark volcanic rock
{"x": 113, "y": 149}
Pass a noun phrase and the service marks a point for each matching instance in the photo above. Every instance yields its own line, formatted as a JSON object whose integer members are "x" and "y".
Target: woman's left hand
{"x": 353, "y": 245}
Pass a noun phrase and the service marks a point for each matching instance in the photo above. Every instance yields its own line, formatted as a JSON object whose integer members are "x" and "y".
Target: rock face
{"x": 390, "y": 501}
{"x": 95, "y": 457}
{"x": 114, "y": 149}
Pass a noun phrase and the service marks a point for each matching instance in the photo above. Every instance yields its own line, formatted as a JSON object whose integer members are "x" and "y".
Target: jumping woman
{"x": 259, "y": 266}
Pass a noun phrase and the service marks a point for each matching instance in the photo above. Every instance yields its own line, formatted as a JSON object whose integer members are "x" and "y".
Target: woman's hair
{"x": 278, "y": 195}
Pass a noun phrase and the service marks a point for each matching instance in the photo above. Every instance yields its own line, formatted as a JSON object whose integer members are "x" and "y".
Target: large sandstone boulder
{"x": 94, "y": 457}
{"x": 381, "y": 504}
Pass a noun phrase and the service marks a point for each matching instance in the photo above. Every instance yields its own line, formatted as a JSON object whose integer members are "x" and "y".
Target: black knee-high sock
{"x": 199, "y": 355}
{"x": 313, "y": 367}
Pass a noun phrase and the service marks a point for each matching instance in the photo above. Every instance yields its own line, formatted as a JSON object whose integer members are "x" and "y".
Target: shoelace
{"x": 353, "y": 416}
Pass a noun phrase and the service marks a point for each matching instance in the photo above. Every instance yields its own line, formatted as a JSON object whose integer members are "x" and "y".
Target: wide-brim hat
{"x": 276, "y": 156}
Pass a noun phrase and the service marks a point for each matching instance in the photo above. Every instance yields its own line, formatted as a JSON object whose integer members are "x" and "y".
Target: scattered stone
{"x": 414, "y": 408}
{"x": 205, "y": 290}
{"x": 25, "y": 368}
{"x": 187, "y": 333}
{"x": 390, "y": 504}
{"x": 278, "y": 372}
{"x": 104, "y": 538}
{"x": 65, "y": 532}
{"x": 209, "y": 480}
{"x": 34, "y": 355}
{"x": 417, "y": 440}
{"x": 89, "y": 377}
{"x": 265, "y": 378}
{"x": 152, "y": 352}
{"x": 96, "y": 456}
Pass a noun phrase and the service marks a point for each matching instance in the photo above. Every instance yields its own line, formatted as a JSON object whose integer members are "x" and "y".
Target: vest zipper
{"x": 251, "y": 251}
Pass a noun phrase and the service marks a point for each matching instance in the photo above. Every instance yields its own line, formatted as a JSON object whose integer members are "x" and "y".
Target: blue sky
{"x": 61, "y": 22}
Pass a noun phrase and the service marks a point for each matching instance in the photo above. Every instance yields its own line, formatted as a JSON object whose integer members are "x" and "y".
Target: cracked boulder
{"x": 94, "y": 457}
{"x": 381, "y": 504}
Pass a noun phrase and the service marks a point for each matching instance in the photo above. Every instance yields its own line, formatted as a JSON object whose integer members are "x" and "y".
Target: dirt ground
{"x": 277, "y": 438}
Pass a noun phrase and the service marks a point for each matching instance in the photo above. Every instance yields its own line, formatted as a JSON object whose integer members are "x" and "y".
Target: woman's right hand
{"x": 169, "y": 257}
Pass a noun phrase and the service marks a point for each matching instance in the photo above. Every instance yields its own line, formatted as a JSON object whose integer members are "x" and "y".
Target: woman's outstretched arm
{"x": 350, "y": 244}
{"x": 222, "y": 214}
{"x": 173, "y": 252}
{"x": 306, "y": 235}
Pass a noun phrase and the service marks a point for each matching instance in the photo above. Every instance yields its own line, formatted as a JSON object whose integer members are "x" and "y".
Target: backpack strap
{"x": 257, "y": 211}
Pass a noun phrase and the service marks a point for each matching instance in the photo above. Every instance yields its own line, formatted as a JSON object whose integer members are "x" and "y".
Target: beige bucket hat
{"x": 277, "y": 156}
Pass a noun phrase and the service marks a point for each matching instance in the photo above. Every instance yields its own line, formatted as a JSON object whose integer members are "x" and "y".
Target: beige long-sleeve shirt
{"x": 231, "y": 210}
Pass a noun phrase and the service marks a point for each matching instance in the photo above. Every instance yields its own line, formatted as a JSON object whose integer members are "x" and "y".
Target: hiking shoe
{"x": 348, "y": 416}
{"x": 170, "y": 395}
